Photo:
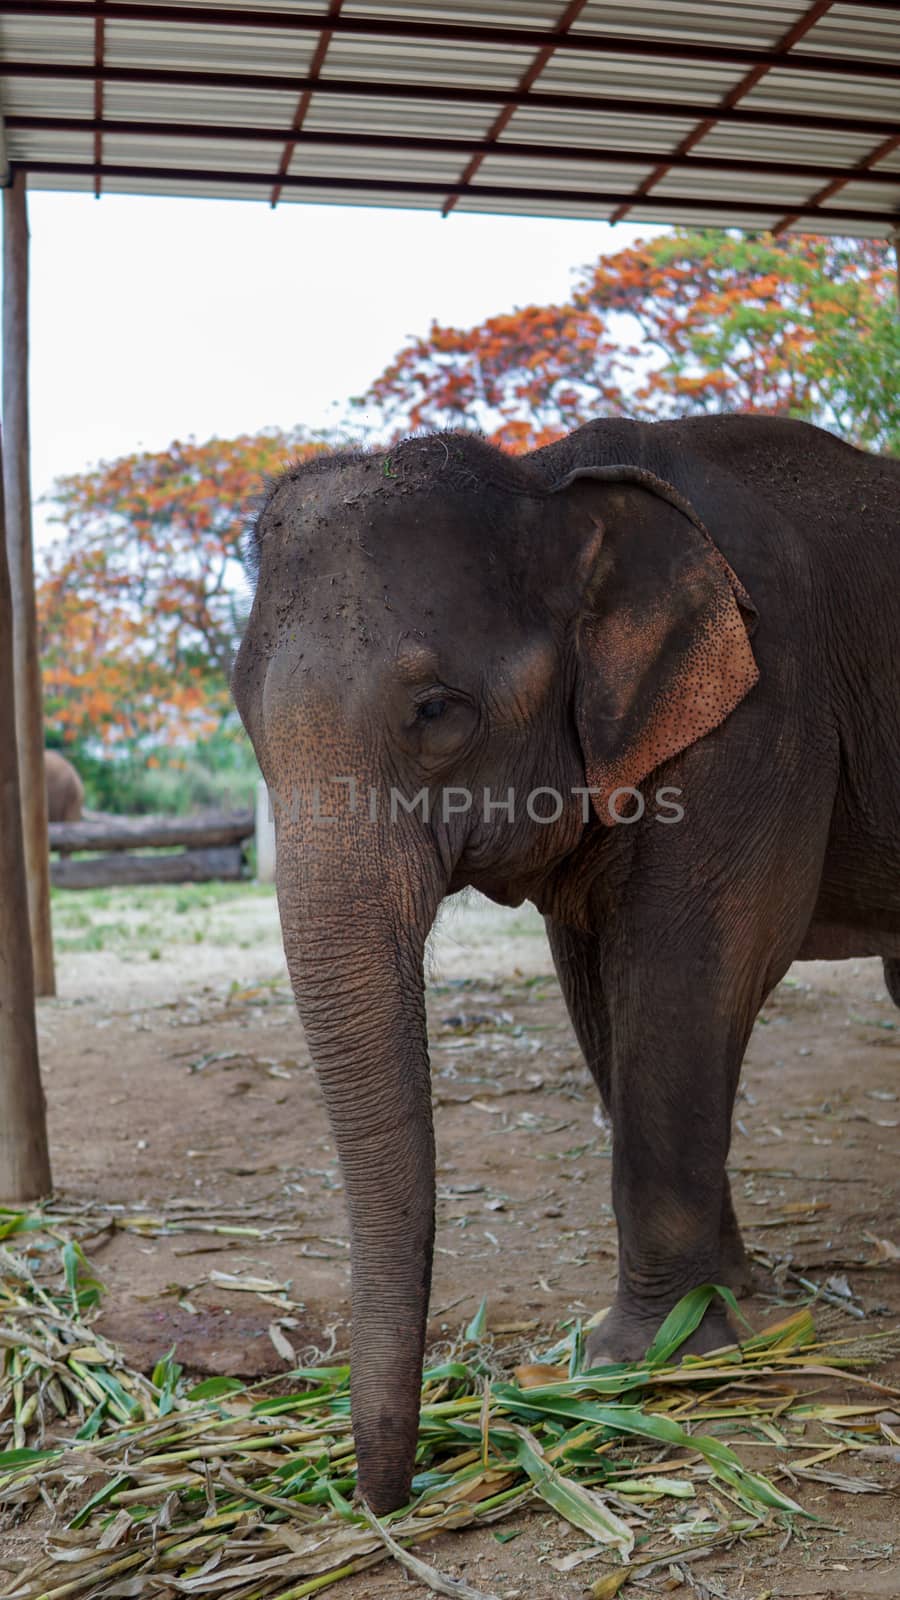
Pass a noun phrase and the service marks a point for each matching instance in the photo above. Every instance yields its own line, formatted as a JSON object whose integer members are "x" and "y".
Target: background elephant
{"x": 544, "y": 634}
{"x": 65, "y": 790}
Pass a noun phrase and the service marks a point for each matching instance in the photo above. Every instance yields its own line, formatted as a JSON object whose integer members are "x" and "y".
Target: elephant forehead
{"x": 349, "y": 516}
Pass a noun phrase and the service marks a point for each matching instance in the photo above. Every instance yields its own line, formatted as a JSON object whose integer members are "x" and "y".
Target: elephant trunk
{"x": 354, "y": 937}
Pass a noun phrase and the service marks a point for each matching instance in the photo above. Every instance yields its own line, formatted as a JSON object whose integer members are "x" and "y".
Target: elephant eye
{"x": 430, "y": 709}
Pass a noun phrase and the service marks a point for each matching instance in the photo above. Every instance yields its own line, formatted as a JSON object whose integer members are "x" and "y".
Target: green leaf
{"x": 751, "y": 1488}
{"x": 685, "y": 1318}
{"x": 477, "y": 1328}
{"x": 165, "y": 1378}
{"x": 681, "y": 1322}
{"x": 582, "y": 1507}
{"x": 84, "y": 1289}
{"x": 94, "y": 1423}
{"x": 447, "y": 1369}
{"x": 99, "y": 1499}
{"x": 213, "y": 1388}
{"x": 23, "y": 1457}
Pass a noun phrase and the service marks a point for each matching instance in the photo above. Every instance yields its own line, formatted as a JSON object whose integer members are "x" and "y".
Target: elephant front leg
{"x": 674, "y": 1065}
{"x": 577, "y": 958}
{"x": 735, "y": 1267}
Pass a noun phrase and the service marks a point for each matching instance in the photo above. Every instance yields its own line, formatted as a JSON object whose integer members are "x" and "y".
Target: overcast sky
{"x": 153, "y": 319}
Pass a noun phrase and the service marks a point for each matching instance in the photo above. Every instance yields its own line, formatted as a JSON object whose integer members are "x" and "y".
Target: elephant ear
{"x": 662, "y": 638}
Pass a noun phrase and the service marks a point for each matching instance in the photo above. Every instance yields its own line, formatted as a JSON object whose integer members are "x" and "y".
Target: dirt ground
{"x": 177, "y": 1077}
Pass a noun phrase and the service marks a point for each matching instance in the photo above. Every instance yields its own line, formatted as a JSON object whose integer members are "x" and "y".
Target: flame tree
{"x": 141, "y": 598}
{"x": 688, "y": 322}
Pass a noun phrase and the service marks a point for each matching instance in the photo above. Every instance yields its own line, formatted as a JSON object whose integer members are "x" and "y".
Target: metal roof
{"x": 748, "y": 113}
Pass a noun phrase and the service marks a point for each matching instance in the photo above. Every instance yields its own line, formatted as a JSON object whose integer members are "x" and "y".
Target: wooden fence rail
{"x": 213, "y": 849}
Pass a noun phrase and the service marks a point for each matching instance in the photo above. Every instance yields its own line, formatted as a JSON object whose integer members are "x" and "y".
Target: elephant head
{"x": 432, "y": 624}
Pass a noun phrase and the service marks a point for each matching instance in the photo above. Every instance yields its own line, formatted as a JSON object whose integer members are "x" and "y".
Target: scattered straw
{"x": 234, "y": 1490}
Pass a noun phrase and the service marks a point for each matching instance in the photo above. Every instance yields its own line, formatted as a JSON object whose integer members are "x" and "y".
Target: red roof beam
{"x": 426, "y": 144}
{"x": 890, "y": 218}
{"x": 636, "y": 46}
{"x": 451, "y": 94}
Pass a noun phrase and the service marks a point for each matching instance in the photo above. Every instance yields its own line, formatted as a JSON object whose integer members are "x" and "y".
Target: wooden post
{"x": 24, "y": 1161}
{"x": 265, "y": 835}
{"x": 29, "y": 701}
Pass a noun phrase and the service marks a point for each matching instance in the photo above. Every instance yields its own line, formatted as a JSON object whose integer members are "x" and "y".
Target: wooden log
{"x": 145, "y": 833}
{"x": 24, "y": 1158}
{"x": 225, "y": 863}
{"x": 29, "y": 699}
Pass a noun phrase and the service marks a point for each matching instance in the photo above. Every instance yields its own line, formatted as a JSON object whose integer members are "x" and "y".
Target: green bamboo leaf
{"x": 13, "y": 1221}
{"x": 685, "y": 1318}
{"x": 477, "y": 1328}
{"x": 94, "y": 1423}
{"x": 212, "y": 1388}
{"x": 84, "y": 1289}
{"x": 681, "y": 1322}
{"x": 100, "y": 1499}
{"x": 752, "y": 1489}
{"x": 165, "y": 1378}
{"x": 582, "y": 1507}
{"x": 23, "y": 1458}
{"x": 120, "y": 1398}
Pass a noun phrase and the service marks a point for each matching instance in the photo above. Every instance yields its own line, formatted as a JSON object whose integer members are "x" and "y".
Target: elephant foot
{"x": 626, "y": 1333}
{"x": 736, "y": 1270}
{"x": 892, "y": 979}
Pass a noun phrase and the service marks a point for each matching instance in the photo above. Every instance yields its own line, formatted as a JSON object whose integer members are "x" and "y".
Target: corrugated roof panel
{"x": 394, "y": 199}
{"x": 865, "y": 195}
{"x": 586, "y": 210}
{"x": 535, "y": 125}
{"x": 208, "y": 48}
{"x": 785, "y": 144}
{"x": 722, "y": 186}
{"x": 852, "y": 31}
{"x": 310, "y": 7}
{"x": 860, "y": 230}
{"x": 136, "y": 150}
{"x": 815, "y": 92}
{"x": 154, "y": 102}
{"x": 46, "y": 39}
{"x": 703, "y": 217}
{"x": 46, "y": 97}
{"x": 414, "y": 166}
{"x": 47, "y": 146}
{"x": 414, "y": 61}
{"x": 571, "y": 73}
{"x": 431, "y": 118}
{"x": 736, "y": 22}
{"x": 525, "y": 13}
{"x": 59, "y": 182}
{"x": 560, "y": 174}
{"x": 186, "y": 187}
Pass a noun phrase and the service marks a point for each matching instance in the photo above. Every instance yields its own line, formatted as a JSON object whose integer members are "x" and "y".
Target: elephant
{"x": 65, "y": 790}
{"x": 662, "y": 660}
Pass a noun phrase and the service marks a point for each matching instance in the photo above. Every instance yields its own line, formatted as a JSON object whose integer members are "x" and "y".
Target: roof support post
{"x": 24, "y": 1160}
{"x": 29, "y": 708}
